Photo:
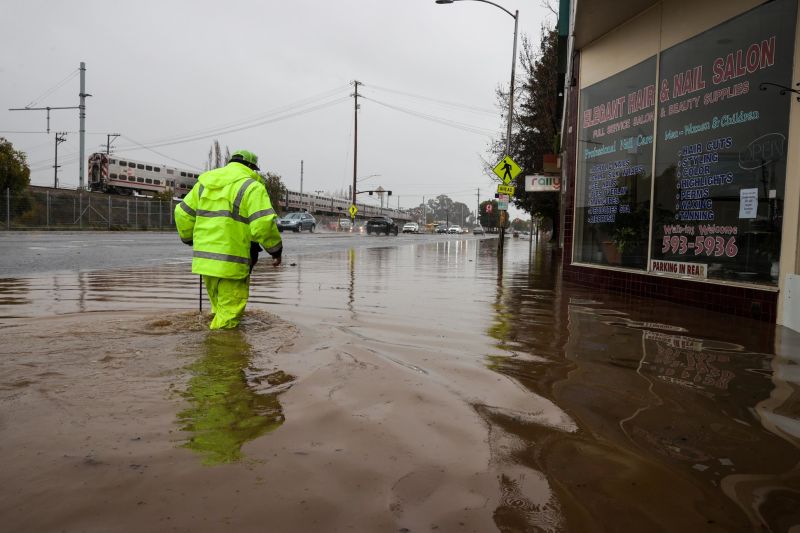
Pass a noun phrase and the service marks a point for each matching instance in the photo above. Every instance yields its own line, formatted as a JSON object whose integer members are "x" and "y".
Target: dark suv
{"x": 378, "y": 225}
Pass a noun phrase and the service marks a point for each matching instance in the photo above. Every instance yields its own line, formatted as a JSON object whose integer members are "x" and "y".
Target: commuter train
{"x": 117, "y": 175}
{"x": 125, "y": 176}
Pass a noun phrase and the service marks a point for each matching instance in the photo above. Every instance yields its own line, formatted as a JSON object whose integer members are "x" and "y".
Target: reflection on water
{"x": 662, "y": 411}
{"x": 622, "y": 413}
{"x": 225, "y": 410}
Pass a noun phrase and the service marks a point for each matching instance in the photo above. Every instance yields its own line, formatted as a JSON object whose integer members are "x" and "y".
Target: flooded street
{"x": 404, "y": 385}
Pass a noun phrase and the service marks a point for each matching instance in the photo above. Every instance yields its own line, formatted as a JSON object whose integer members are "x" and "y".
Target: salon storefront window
{"x": 713, "y": 128}
{"x": 721, "y": 147}
{"x": 615, "y": 154}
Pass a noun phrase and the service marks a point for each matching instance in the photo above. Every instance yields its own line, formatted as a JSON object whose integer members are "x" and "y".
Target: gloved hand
{"x": 276, "y": 256}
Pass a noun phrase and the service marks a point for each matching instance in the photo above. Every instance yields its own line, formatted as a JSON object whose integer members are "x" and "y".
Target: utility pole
{"x": 108, "y": 141}
{"x": 424, "y": 213}
{"x": 356, "y": 83}
{"x": 301, "y": 184}
{"x": 60, "y": 138}
{"x": 82, "y": 119}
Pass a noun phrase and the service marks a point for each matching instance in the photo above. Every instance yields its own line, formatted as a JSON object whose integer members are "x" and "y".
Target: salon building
{"x": 681, "y": 141}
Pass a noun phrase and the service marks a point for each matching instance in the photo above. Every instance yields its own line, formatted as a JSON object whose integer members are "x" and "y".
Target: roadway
{"x": 38, "y": 252}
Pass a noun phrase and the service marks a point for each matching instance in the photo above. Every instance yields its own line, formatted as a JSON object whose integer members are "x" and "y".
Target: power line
{"x": 446, "y": 122}
{"x": 207, "y": 134}
{"x": 240, "y": 128}
{"x": 51, "y": 90}
{"x": 159, "y": 153}
{"x": 443, "y": 102}
{"x": 223, "y": 128}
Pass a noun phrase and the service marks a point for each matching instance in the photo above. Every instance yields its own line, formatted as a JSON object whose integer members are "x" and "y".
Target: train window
{"x": 183, "y": 185}
{"x": 140, "y": 166}
{"x": 132, "y": 165}
{"x": 148, "y": 167}
{"x": 140, "y": 180}
{"x": 111, "y": 161}
{"x": 169, "y": 171}
{"x": 183, "y": 174}
{"x": 148, "y": 180}
{"x": 157, "y": 169}
{"x": 122, "y": 163}
{"x": 113, "y": 176}
{"x": 157, "y": 182}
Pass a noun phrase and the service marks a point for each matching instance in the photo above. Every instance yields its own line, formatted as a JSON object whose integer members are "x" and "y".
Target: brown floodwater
{"x": 412, "y": 388}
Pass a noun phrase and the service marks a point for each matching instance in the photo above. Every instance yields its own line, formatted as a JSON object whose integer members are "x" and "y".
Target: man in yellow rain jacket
{"x": 226, "y": 211}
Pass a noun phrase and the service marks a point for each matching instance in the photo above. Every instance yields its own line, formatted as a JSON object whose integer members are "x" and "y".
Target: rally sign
{"x": 540, "y": 183}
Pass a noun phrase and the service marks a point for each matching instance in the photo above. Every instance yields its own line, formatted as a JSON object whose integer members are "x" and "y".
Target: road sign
{"x": 540, "y": 183}
{"x": 353, "y": 210}
{"x": 507, "y": 170}
{"x": 506, "y": 189}
{"x": 502, "y": 202}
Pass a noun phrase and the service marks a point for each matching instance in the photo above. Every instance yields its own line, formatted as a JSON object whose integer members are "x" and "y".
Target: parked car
{"x": 478, "y": 230}
{"x": 345, "y": 224}
{"x": 378, "y": 225}
{"x": 441, "y": 228}
{"x": 411, "y": 227}
{"x": 297, "y": 222}
{"x": 454, "y": 229}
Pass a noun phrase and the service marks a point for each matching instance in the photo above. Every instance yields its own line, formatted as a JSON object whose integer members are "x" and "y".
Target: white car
{"x": 411, "y": 227}
{"x": 454, "y": 229}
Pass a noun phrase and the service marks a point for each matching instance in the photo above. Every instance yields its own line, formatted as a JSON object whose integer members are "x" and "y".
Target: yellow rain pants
{"x": 228, "y": 299}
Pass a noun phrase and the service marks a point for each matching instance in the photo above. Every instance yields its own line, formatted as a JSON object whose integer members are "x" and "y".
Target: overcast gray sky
{"x": 163, "y": 71}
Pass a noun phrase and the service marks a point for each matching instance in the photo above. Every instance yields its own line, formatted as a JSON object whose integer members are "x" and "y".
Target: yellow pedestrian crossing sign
{"x": 353, "y": 210}
{"x": 507, "y": 170}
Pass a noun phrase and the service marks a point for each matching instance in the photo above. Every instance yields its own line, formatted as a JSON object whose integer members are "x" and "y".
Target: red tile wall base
{"x": 740, "y": 301}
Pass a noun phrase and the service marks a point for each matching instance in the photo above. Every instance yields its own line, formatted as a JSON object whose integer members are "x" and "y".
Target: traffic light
{"x": 390, "y": 193}
{"x": 370, "y": 193}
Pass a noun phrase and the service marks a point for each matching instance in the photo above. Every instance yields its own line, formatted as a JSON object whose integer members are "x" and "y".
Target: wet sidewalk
{"x": 411, "y": 388}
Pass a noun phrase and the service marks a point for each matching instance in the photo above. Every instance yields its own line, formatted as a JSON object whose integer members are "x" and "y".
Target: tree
{"x": 215, "y": 159}
{"x": 164, "y": 196}
{"x": 276, "y": 190}
{"x": 489, "y": 220}
{"x": 535, "y": 128}
{"x": 14, "y": 171}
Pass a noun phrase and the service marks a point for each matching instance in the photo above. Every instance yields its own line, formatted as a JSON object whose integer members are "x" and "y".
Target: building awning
{"x": 595, "y": 18}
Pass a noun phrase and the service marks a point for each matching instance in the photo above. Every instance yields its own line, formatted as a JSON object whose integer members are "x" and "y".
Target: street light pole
{"x": 515, "y": 16}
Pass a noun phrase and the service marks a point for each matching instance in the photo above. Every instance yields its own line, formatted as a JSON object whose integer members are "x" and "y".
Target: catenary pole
{"x": 82, "y": 119}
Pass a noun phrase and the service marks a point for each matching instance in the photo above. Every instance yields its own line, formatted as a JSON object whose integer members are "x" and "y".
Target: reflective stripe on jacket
{"x": 227, "y": 209}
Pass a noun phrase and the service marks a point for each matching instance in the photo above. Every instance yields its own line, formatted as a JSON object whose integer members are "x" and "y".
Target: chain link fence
{"x": 65, "y": 209}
